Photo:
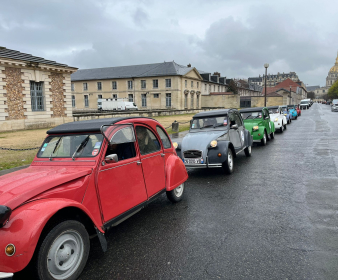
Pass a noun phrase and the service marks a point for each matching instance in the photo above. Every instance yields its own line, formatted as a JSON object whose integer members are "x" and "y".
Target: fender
{"x": 248, "y": 138}
{"x": 24, "y": 229}
{"x": 273, "y": 129}
{"x": 222, "y": 147}
{"x": 176, "y": 174}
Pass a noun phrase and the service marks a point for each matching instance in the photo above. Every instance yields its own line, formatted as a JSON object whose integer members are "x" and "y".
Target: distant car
{"x": 299, "y": 111}
{"x": 304, "y": 104}
{"x": 278, "y": 118}
{"x": 257, "y": 121}
{"x": 292, "y": 110}
{"x": 214, "y": 140}
{"x": 87, "y": 177}
{"x": 286, "y": 113}
{"x": 334, "y": 106}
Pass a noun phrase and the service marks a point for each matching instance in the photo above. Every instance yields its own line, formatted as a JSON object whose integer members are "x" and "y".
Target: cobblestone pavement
{"x": 275, "y": 217}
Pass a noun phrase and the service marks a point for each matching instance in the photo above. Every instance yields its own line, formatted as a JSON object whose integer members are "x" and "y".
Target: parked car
{"x": 87, "y": 176}
{"x": 257, "y": 121}
{"x": 214, "y": 140}
{"x": 334, "y": 105}
{"x": 286, "y": 113}
{"x": 278, "y": 118}
{"x": 304, "y": 104}
{"x": 299, "y": 111}
{"x": 292, "y": 110}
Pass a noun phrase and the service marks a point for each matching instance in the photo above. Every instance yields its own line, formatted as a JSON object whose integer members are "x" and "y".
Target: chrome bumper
{"x": 203, "y": 165}
{"x": 6, "y": 275}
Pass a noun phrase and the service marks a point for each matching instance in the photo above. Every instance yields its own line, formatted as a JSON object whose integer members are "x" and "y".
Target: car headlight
{"x": 213, "y": 144}
{"x": 285, "y": 114}
{"x": 255, "y": 128}
{"x": 175, "y": 144}
{"x": 276, "y": 119}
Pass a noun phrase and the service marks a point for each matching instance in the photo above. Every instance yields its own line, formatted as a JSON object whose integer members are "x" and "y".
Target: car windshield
{"x": 304, "y": 102}
{"x": 211, "y": 122}
{"x": 291, "y": 107}
{"x": 274, "y": 111}
{"x": 64, "y": 146}
{"x": 252, "y": 115}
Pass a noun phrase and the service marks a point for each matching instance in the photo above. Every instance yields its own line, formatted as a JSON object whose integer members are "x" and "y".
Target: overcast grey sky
{"x": 233, "y": 37}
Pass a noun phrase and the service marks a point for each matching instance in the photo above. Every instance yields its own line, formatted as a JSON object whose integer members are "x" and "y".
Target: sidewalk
{"x": 174, "y": 137}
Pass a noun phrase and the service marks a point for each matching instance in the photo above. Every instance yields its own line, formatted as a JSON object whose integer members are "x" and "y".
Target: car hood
{"x": 200, "y": 140}
{"x": 250, "y": 123}
{"x": 20, "y": 186}
{"x": 273, "y": 116}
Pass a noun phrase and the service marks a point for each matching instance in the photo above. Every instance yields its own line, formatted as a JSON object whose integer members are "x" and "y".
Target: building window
{"x": 99, "y": 86}
{"x": 130, "y": 84}
{"x": 37, "y": 101}
{"x": 143, "y": 84}
{"x": 144, "y": 100}
{"x": 86, "y": 101}
{"x": 99, "y": 96}
{"x": 73, "y": 101}
{"x": 192, "y": 101}
{"x": 192, "y": 84}
{"x": 85, "y": 86}
{"x": 156, "y": 95}
{"x": 72, "y": 86}
{"x": 168, "y": 99}
{"x": 155, "y": 83}
{"x": 130, "y": 98}
{"x": 114, "y": 85}
{"x": 168, "y": 83}
{"x": 114, "y": 96}
{"x": 186, "y": 83}
{"x": 197, "y": 84}
{"x": 186, "y": 101}
{"x": 197, "y": 101}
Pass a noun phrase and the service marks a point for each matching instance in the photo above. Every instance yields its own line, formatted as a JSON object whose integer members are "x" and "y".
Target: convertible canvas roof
{"x": 212, "y": 113}
{"x": 87, "y": 126}
{"x": 273, "y": 107}
{"x": 255, "y": 109}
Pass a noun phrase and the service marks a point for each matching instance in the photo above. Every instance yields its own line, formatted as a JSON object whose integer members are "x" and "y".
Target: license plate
{"x": 192, "y": 161}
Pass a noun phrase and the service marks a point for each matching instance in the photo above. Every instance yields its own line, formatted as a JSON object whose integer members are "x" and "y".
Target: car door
{"x": 266, "y": 120}
{"x": 118, "y": 190}
{"x": 239, "y": 122}
{"x": 152, "y": 159}
{"x": 234, "y": 132}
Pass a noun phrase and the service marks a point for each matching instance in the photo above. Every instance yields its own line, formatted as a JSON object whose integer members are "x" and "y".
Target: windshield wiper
{"x": 247, "y": 117}
{"x": 56, "y": 146}
{"x": 83, "y": 143}
{"x": 207, "y": 126}
{"x": 216, "y": 125}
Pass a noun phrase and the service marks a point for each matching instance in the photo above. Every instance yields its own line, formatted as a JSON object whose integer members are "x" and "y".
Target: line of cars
{"x": 216, "y": 137}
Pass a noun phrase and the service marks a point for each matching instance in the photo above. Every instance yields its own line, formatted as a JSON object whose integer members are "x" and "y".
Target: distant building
{"x": 150, "y": 86}
{"x": 272, "y": 80}
{"x": 34, "y": 92}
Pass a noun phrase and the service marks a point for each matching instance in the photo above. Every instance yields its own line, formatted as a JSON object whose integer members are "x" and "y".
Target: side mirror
{"x": 267, "y": 118}
{"x": 234, "y": 126}
{"x": 111, "y": 158}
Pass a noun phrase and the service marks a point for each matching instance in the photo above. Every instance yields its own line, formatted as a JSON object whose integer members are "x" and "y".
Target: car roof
{"x": 273, "y": 107}
{"x": 89, "y": 125}
{"x": 255, "y": 109}
{"x": 213, "y": 113}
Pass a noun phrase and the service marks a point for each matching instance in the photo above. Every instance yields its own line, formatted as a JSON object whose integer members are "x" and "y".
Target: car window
{"x": 147, "y": 141}
{"x": 251, "y": 115}
{"x": 211, "y": 122}
{"x": 164, "y": 138}
{"x": 238, "y": 120}
{"x": 266, "y": 113}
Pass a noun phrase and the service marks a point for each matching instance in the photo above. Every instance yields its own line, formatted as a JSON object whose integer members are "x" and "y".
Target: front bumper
{"x": 334, "y": 109}
{"x": 6, "y": 275}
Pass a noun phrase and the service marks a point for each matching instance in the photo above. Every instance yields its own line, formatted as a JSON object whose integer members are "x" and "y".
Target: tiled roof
{"x": 132, "y": 71}
{"x": 286, "y": 85}
{"x": 12, "y": 54}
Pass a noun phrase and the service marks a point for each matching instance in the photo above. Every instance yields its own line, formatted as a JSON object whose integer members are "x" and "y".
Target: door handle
{"x": 138, "y": 162}
{"x": 162, "y": 155}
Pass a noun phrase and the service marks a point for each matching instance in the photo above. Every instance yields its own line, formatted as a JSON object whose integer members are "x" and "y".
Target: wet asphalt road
{"x": 275, "y": 217}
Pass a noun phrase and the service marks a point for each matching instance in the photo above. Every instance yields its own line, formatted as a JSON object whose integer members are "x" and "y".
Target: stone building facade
{"x": 34, "y": 92}
{"x": 273, "y": 79}
{"x": 166, "y": 85}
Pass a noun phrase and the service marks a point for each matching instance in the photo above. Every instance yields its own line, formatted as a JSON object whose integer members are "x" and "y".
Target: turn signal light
{"x": 219, "y": 154}
{"x": 10, "y": 250}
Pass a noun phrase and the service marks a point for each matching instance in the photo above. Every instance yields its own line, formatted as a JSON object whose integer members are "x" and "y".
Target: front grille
{"x": 192, "y": 154}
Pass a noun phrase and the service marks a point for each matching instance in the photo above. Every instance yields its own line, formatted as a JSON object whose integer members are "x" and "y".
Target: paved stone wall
{"x": 15, "y": 104}
{"x": 57, "y": 95}
{"x": 218, "y": 100}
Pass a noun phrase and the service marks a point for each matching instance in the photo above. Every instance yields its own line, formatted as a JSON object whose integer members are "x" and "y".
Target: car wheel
{"x": 296, "y": 117}
{"x": 284, "y": 126}
{"x": 281, "y": 129}
{"x": 272, "y": 135}
{"x": 263, "y": 141}
{"x": 247, "y": 151}
{"x": 63, "y": 252}
{"x": 176, "y": 194}
{"x": 228, "y": 164}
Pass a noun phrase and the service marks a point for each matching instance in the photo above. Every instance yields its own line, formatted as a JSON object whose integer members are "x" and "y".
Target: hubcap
{"x": 249, "y": 149}
{"x": 179, "y": 190}
{"x": 65, "y": 254}
{"x": 230, "y": 163}
{"x": 264, "y": 138}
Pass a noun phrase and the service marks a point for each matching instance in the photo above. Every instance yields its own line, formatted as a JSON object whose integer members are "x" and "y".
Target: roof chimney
{"x": 189, "y": 65}
{"x": 217, "y": 74}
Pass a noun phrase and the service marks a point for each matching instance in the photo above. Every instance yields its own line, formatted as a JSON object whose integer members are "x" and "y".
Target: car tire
{"x": 296, "y": 117}
{"x": 247, "y": 151}
{"x": 228, "y": 164}
{"x": 272, "y": 135}
{"x": 176, "y": 194}
{"x": 67, "y": 243}
{"x": 281, "y": 129}
{"x": 263, "y": 141}
{"x": 284, "y": 126}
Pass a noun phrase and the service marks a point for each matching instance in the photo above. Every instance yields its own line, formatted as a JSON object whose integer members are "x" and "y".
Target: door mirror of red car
{"x": 111, "y": 158}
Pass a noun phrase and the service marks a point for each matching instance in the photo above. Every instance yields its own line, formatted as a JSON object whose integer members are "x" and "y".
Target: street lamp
{"x": 290, "y": 96}
{"x": 266, "y": 65}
